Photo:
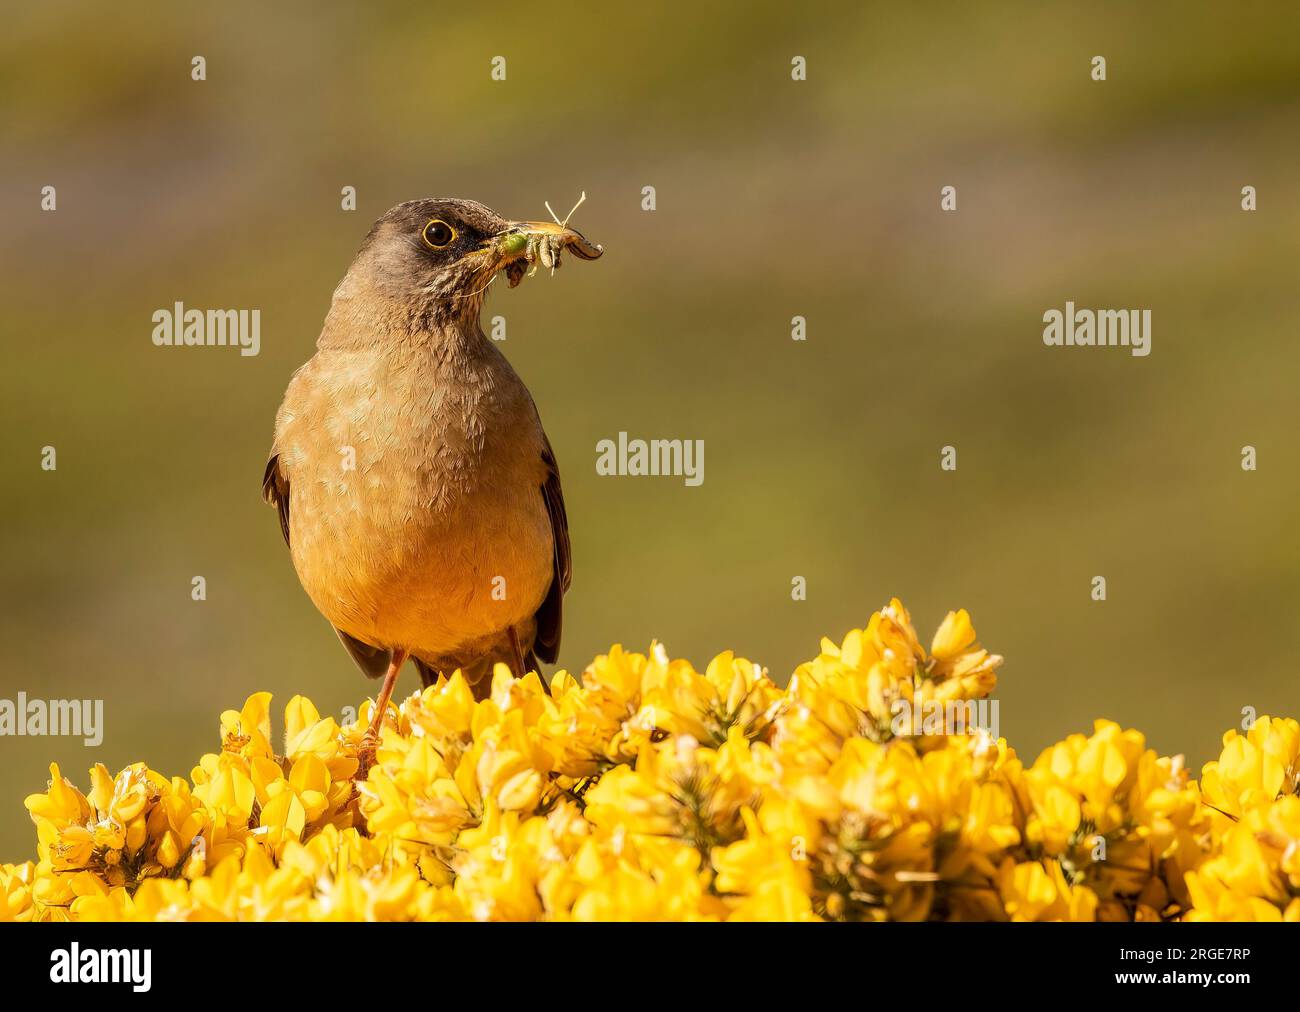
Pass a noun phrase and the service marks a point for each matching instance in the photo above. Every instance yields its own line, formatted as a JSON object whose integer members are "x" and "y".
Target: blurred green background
{"x": 775, "y": 198}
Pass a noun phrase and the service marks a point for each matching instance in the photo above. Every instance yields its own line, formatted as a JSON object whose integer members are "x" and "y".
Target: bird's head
{"x": 439, "y": 255}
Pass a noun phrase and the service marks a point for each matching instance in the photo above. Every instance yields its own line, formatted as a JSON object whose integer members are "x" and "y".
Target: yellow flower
{"x": 247, "y": 732}
{"x": 1254, "y": 769}
{"x": 1255, "y": 873}
{"x": 769, "y": 869}
{"x": 954, "y": 636}
{"x": 676, "y": 792}
{"x": 1038, "y": 891}
{"x": 733, "y": 693}
{"x": 16, "y": 891}
{"x": 647, "y": 789}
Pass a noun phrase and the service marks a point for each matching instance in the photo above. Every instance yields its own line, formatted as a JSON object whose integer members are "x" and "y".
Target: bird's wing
{"x": 550, "y": 616}
{"x": 373, "y": 661}
{"x": 275, "y": 490}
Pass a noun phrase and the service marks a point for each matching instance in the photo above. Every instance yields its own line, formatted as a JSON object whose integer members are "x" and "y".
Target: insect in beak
{"x": 526, "y": 244}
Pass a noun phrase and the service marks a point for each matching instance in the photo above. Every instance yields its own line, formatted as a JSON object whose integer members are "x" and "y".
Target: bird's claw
{"x": 366, "y": 753}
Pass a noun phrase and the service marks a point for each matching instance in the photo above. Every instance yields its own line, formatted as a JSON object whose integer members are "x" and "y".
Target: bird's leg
{"x": 370, "y": 740}
{"x": 520, "y": 671}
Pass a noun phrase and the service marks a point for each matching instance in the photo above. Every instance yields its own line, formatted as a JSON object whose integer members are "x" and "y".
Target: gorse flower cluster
{"x": 649, "y": 790}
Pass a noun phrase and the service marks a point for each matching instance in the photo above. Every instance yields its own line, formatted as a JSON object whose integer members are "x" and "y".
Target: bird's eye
{"x": 438, "y": 234}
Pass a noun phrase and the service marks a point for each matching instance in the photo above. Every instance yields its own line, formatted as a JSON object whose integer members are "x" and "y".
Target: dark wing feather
{"x": 550, "y": 616}
{"x": 275, "y": 490}
{"x": 373, "y": 661}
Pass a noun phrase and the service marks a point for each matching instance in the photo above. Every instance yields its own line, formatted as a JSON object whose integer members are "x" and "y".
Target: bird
{"x": 416, "y": 488}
